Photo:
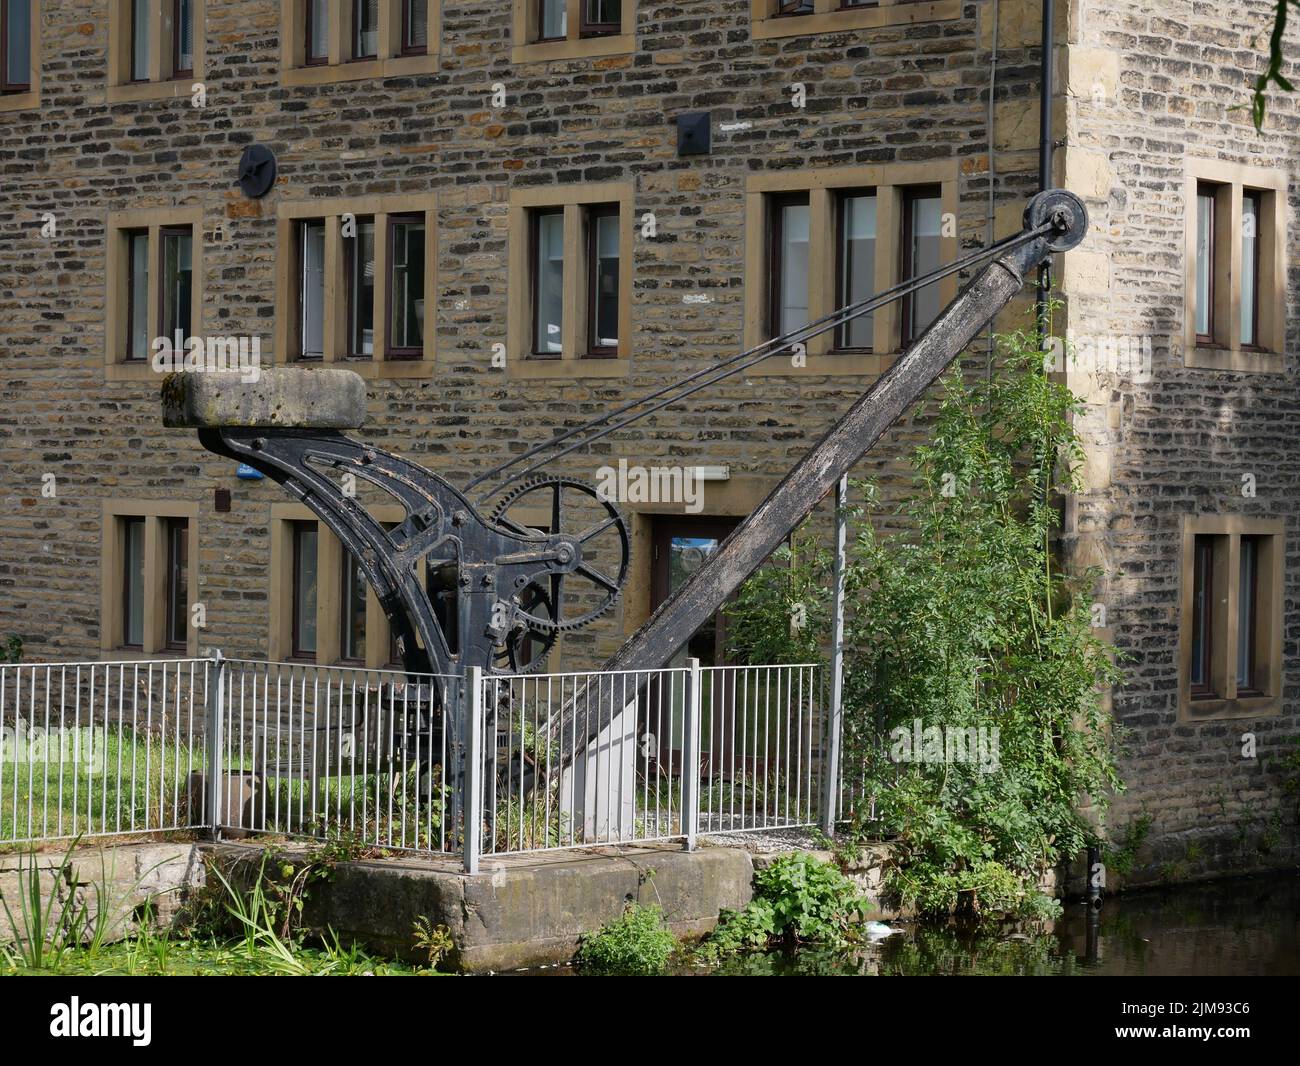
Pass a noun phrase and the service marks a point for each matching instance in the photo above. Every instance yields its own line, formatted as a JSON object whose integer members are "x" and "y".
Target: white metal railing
{"x": 480, "y": 765}
{"x": 103, "y": 749}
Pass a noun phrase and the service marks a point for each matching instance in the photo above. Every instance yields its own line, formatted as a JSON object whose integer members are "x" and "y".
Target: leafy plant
{"x": 799, "y": 898}
{"x": 434, "y": 940}
{"x": 1121, "y": 854}
{"x": 11, "y": 651}
{"x": 636, "y": 944}
{"x": 962, "y": 624}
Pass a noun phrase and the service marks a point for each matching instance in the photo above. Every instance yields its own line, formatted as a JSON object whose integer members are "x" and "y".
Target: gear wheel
{"x": 613, "y": 524}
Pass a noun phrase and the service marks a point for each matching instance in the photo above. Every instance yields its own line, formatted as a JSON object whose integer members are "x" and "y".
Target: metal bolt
{"x": 459, "y": 518}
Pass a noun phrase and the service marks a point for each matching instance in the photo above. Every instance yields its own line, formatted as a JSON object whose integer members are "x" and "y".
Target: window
{"x": 1231, "y": 632}
{"x": 154, "y": 287}
{"x": 572, "y": 29}
{"x": 377, "y": 254}
{"x": 147, "y": 591}
{"x": 571, "y": 287}
{"x": 20, "y": 64}
{"x": 785, "y": 18}
{"x": 1235, "y": 284}
{"x": 922, "y": 211}
{"x": 321, "y": 604}
{"x": 818, "y": 241}
{"x": 305, "y": 559}
{"x": 155, "y": 48}
{"x": 342, "y": 40}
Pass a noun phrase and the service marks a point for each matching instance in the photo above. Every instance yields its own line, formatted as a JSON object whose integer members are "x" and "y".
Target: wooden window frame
{"x": 330, "y": 554}
{"x": 592, "y": 214}
{"x": 392, "y": 351}
{"x": 581, "y": 39}
{"x": 298, "y": 354}
{"x": 309, "y": 57}
{"x": 1221, "y": 696}
{"x": 1223, "y": 349}
{"x": 165, "y": 81}
{"x": 907, "y": 305}
{"x": 575, "y": 358}
{"x": 177, "y": 21}
{"x": 767, "y": 20}
{"x": 824, "y": 187}
{"x": 1208, "y": 190}
{"x": 1257, "y": 195}
{"x": 163, "y": 233}
{"x": 117, "y": 367}
{"x": 171, "y": 526}
{"x": 353, "y": 55}
{"x": 775, "y": 258}
{"x": 156, "y": 515}
{"x": 541, "y": 21}
{"x": 127, "y": 236}
{"x": 16, "y": 95}
{"x": 352, "y": 343}
{"x": 406, "y": 48}
{"x": 841, "y": 267}
{"x": 336, "y": 327}
{"x": 296, "y": 533}
{"x": 535, "y": 349}
{"x": 392, "y": 58}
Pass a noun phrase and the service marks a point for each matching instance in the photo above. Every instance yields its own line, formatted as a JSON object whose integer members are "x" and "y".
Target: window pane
{"x": 792, "y": 285}
{"x": 139, "y": 40}
{"x": 549, "y": 274}
{"x": 604, "y": 11}
{"x": 366, "y": 37}
{"x": 923, "y": 258}
{"x": 605, "y": 282}
{"x": 1249, "y": 266}
{"x": 857, "y": 265}
{"x": 1246, "y": 612}
{"x": 177, "y": 280}
{"x": 1204, "y": 263}
{"x": 407, "y": 246}
{"x": 361, "y": 289}
{"x": 417, "y": 24}
{"x": 554, "y": 18}
{"x": 1202, "y": 590}
{"x": 312, "y": 287}
{"x": 318, "y": 29}
{"x": 18, "y": 43}
{"x": 304, "y": 588}
{"x": 353, "y": 644}
{"x": 794, "y": 7}
{"x": 184, "y": 58}
{"x": 177, "y": 581}
{"x": 133, "y": 601}
{"x": 137, "y": 295}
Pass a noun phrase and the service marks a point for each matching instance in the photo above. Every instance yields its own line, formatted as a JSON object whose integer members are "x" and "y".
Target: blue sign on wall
{"x": 247, "y": 473}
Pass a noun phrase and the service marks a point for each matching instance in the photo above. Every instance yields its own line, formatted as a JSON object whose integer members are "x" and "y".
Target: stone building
{"x": 482, "y": 208}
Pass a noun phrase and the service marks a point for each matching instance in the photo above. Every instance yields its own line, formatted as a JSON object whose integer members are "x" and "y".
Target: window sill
{"x": 152, "y": 90}
{"x": 1214, "y": 709}
{"x": 766, "y": 27}
{"x": 393, "y": 67}
{"x": 566, "y": 369}
{"x": 141, "y": 371}
{"x": 371, "y": 369}
{"x": 20, "y": 101}
{"x": 1245, "y": 361}
{"x": 853, "y": 364}
{"x": 582, "y": 48}
{"x": 135, "y": 655}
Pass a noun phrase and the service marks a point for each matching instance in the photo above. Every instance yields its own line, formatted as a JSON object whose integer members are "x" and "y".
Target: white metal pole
{"x": 472, "y": 801}
{"x": 691, "y": 754}
{"x": 831, "y": 796}
{"x": 216, "y": 740}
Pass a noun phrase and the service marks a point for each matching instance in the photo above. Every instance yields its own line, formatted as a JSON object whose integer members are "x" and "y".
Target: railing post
{"x": 835, "y": 724}
{"x": 216, "y": 741}
{"x": 691, "y": 754}
{"x": 472, "y": 800}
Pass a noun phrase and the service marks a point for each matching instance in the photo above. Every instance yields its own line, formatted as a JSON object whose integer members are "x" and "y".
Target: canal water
{"x": 1239, "y": 927}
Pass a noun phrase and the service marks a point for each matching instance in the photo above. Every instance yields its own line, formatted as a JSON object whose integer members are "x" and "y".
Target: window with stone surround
{"x": 322, "y": 608}
{"x": 570, "y": 281}
{"x": 572, "y": 29}
{"x": 20, "y": 54}
{"x": 154, "y": 286}
{"x": 346, "y": 40}
{"x": 1234, "y": 297}
{"x": 788, "y": 18}
{"x": 147, "y": 587}
{"x": 820, "y": 240}
{"x": 1230, "y": 636}
{"x": 155, "y": 48}
{"x": 356, "y": 284}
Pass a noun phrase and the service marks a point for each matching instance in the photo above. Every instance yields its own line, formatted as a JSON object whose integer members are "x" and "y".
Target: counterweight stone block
{"x": 280, "y": 398}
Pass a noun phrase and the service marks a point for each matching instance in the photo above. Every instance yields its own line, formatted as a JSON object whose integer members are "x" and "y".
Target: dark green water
{"x": 1238, "y": 927}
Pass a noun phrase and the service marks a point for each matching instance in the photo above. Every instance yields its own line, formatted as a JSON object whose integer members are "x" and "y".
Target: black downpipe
{"x": 1045, "y": 147}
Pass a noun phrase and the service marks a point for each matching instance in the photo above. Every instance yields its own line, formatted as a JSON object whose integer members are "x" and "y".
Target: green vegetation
{"x": 11, "y": 651}
{"x": 636, "y": 944}
{"x": 962, "y": 625}
{"x": 798, "y": 899}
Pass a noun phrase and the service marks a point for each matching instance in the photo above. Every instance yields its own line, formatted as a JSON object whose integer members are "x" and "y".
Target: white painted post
{"x": 691, "y": 754}
{"x": 216, "y": 740}
{"x": 835, "y": 724}
{"x": 472, "y": 801}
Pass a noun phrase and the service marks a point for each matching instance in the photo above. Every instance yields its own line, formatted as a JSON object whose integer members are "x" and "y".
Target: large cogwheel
{"x": 576, "y": 509}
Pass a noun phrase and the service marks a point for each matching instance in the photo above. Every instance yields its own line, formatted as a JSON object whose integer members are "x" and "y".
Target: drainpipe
{"x": 1046, "y": 79}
